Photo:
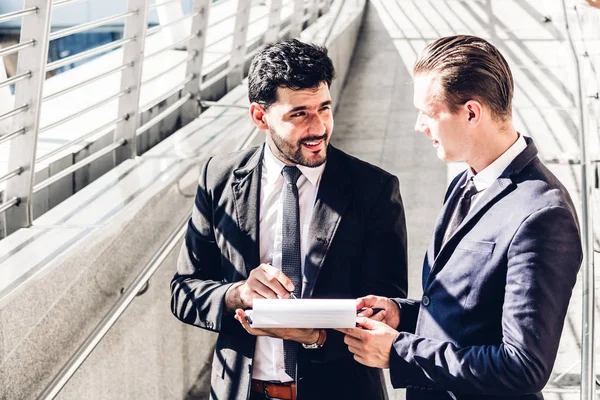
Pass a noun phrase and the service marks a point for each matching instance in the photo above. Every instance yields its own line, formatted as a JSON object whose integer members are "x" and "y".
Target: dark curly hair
{"x": 289, "y": 64}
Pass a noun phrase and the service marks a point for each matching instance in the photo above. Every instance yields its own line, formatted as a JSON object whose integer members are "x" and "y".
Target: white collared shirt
{"x": 268, "y": 355}
{"x": 489, "y": 174}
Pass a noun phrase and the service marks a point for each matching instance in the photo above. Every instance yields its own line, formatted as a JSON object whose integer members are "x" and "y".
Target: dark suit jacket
{"x": 357, "y": 246}
{"x": 495, "y": 295}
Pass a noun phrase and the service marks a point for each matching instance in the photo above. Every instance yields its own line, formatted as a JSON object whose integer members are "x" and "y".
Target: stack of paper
{"x": 302, "y": 313}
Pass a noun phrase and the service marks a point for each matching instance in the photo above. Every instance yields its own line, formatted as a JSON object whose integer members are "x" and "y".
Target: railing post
{"x": 297, "y": 18}
{"x": 28, "y": 91}
{"x": 272, "y": 34}
{"x": 136, "y": 26}
{"x": 196, "y": 50}
{"x": 238, "y": 50}
{"x": 313, "y": 11}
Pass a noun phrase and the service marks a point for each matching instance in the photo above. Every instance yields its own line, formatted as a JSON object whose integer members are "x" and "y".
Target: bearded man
{"x": 294, "y": 216}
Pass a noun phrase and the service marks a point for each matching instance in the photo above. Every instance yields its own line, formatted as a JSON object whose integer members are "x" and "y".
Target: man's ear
{"x": 259, "y": 116}
{"x": 474, "y": 112}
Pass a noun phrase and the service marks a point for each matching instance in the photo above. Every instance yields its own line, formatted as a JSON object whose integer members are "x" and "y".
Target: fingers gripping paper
{"x": 302, "y": 313}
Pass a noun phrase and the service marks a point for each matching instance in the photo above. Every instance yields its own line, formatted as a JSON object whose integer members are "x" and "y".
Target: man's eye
{"x": 325, "y": 108}
{"x": 298, "y": 114}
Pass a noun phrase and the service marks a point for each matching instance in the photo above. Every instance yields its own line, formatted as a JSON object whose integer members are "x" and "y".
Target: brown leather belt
{"x": 285, "y": 391}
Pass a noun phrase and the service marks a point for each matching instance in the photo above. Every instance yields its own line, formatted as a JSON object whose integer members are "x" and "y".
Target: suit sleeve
{"x": 409, "y": 312}
{"x": 543, "y": 261}
{"x": 197, "y": 289}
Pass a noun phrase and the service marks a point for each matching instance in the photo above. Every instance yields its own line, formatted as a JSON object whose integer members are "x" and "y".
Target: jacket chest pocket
{"x": 468, "y": 271}
{"x": 478, "y": 247}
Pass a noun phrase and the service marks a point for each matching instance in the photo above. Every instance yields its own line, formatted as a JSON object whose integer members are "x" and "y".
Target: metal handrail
{"x": 78, "y": 165}
{"x": 205, "y": 103}
{"x": 165, "y": 96}
{"x": 15, "y": 79}
{"x": 14, "y": 112}
{"x": 85, "y": 110}
{"x": 89, "y": 25}
{"x": 60, "y": 3}
{"x": 15, "y": 172}
{"x": 218, "y": 61}
{"x": 9, "y": 203}
{"x": 12, "y": 135}
{"x": 154, "y": 6}
{"x": 588, "y": 378}
{"x": 255, "y": 20}
{"x": 86, "y": 82}
{"x": 155, "y": 29}
{"x": 247, "y": 57}
{"x": 220, "y": 75}
{"x": 17, "y": 14}
{"x": 104, "y": 128}
{"x": 6, "y": 51}
{"x": 219, "y": 21}
{"x": 172, "y": 46}
{"x": 163, "y": 114}
{"x": 219, "y": 40}
{"x": 113, "y": 315}
{"x": 87, "y": 54}
{"x": 171, "y": 67}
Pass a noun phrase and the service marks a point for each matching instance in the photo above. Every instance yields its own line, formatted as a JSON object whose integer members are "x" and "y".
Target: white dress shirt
{"x": 268, "y": 355}
{"x": 489, "y": 174}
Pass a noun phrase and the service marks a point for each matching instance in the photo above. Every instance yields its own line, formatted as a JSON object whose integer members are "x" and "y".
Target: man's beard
{"x": 293, "y": 153}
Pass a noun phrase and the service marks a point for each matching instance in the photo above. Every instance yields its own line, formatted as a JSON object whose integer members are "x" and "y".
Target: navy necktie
{"x": 290, "y": 253}
{"x": 461, "y": 210}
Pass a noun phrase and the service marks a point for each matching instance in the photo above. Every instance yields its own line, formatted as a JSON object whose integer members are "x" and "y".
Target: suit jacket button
{"x": 425, "y": 301}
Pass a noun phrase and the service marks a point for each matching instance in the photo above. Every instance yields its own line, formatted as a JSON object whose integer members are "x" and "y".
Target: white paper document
{"x": 302, "y": 313}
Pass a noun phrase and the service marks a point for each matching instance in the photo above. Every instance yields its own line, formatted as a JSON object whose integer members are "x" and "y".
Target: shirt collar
{"x": 272, "y": 167}
{"x": 489, "y": 174}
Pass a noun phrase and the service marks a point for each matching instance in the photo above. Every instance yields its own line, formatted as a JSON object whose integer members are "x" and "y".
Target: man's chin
{"x": 442, "y": 155}
{"x": 313, "y": 160}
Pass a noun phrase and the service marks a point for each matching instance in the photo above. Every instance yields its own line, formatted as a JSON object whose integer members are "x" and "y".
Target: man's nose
{"x": 316, "y": 125}
{"x": 419, "y": 126}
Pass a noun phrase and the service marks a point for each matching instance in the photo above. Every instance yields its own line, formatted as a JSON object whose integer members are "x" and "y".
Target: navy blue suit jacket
{"x": 495, "y": 295}
{"x": 356, "y": 246}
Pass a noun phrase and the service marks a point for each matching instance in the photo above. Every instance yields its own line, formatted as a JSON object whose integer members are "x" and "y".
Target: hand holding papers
{"x": 302, "y": 313}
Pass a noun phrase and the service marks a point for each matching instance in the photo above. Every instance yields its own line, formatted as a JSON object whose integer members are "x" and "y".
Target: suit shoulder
{"x": 230, "y": 161}
{"x": 220, "y": 167}
{"x": 542, "y": 188}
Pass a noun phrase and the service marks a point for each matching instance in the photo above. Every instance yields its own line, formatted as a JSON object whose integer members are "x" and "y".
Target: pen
{"x": 375, "y": 310}
{"x": 292, "y": 295}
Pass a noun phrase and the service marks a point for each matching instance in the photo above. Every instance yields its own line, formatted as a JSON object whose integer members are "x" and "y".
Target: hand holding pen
{"x": 264, "y": 282}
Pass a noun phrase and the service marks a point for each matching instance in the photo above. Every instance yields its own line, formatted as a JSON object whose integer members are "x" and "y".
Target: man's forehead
{"x": 291, "y": 96}
{"x": 426, "y": 90}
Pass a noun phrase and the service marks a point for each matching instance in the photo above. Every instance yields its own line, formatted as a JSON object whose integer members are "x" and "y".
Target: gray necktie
{"x": 290, "y": 253}
{"x": 462, "y": 209}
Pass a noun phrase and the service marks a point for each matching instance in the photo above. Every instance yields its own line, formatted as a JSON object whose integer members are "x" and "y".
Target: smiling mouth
{"x": 314, "y": 144}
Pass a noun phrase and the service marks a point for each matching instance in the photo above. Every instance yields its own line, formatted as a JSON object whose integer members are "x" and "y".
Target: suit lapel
{"x": 499, "y": 189}
{"x": 332, "y": 199}
{"x": 246, "y": 190}
{"x": 489, "y": 197}
{"x": 445, "y": 214}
